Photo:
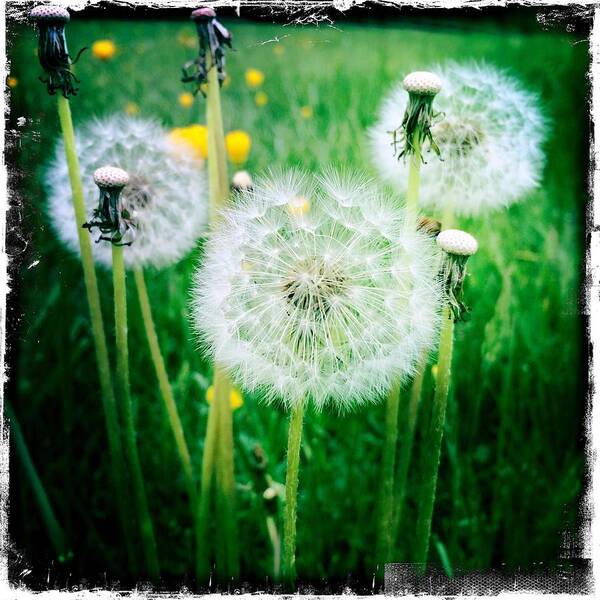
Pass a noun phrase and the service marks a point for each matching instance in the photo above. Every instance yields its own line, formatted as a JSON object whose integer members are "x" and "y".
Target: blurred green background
{"x": 513, "y": 465}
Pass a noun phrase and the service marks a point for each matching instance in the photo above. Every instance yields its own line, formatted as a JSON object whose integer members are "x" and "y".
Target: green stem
{"x": 55, "y": 531}
{"x": 225, "y": 481}
{"x": 410, "y": 411}
{"x": 291, "y": 496}
{"x": 166, "y": 391}
{"x": 93, "y": 297}
{"x": 414, "y": 178}
{"x": 433, "y": 441}
{"x": 386, "y": 506}
{"x": 208, "y": 470}
{"x": 141, "y": 503}
{"x": 276, "y": 544}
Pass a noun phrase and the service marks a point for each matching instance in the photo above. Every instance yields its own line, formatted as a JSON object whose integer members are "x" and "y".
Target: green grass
{"x": 512, "y": 459}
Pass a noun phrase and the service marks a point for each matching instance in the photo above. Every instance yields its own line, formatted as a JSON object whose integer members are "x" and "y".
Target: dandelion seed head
{"x": 490, "y": 132}
{"x": 111, "y": 177}
{"x": 422, "y": 82}
{"x": 455, "y": 241}
{"x": 317, "y": 304}
{"x": 49, "y": 12}
{"x": 165, "y": 195}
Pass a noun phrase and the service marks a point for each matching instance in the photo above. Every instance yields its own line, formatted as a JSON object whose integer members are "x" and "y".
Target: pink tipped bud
{"x": 203, "y": 13}
{"x": 460, "y": 243}
{"x": 111, "y": 177}
{"x": 423, "y": 83}
{"x": 48, "y": 12}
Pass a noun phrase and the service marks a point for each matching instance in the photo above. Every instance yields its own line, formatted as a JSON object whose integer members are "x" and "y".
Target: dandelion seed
{"x": 334, "y": 303}
{"x": 489, "y": 132}
{"x": 254, "y": 78}
{"x": 104, "y": 49}
{"x": 238, "y": 144}
{"x": 165, "y": 198}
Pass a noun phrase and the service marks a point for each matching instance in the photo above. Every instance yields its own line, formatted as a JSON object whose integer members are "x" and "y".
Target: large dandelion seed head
{"x": 165, "y": 197}
{"x": 317, "y": 289}
{"x": 490, "y": 133}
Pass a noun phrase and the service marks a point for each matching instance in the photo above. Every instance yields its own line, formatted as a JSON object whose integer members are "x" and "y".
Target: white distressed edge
{"x": 592, "y": 299}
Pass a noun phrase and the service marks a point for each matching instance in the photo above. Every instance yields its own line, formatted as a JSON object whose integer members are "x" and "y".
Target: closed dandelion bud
{"x": 457, "y": 246}
{"x": 110, "y": 218}
{"x": 332, "y": 298}
{"x": 418, "y": 117}
{"x": 164, "y": 202}
{"x": 213, "y": 38}
{"x": 241, "y": 180}
{"x": 52, "y": 49}
{"x": 489, "y": 132}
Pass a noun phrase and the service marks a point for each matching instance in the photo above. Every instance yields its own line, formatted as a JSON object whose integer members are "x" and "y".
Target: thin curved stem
{"x": 291, "y": 496}
{"x": 109, "y": 405}
{"x": 386, "y": 508}
{"x": 141, "y": 502}
{"x": 55, "y": 531}
{"x": 433, "y": 441}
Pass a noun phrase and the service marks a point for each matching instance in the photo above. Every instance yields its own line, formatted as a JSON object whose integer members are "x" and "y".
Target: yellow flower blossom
{"x": 261, "y": 99}
{"x": 254, "y": 78}
{"x": 193, "y": 137}
{"x": 235, "y": 397}
{"x": 131, "y": 108}
{"x": 238, "y": 144}
{"x": 306, "y": 112}
{"x": 104, "y": 49}
{"x": 12, "y": 82}
{"x": 186, "y": 99}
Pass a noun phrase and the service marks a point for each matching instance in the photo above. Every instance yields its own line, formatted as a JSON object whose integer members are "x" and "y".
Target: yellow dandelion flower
{"x": 298, "y": 206}
{"x": 131, "y": 108}
{"x": 279, "y": 50}
{"x": 235, "y": 397}
{"x": 254, "y": 78}
{"x": 193, "y": 137}
{"x": 186, "y": 99}
{"x": 306, "y": 112}
{"x": 12, "y": 82}
{"x": 261, "y": 99}
{"x": 104, "y": 49}
{"x": 238, "y": 144}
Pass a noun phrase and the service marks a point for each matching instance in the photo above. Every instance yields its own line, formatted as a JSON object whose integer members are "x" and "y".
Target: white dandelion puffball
{"x": 490, "y": 133}
{"x": 317, "y": 289}
{"x": 166, "y": 195}
{"x": 422, "y": 82}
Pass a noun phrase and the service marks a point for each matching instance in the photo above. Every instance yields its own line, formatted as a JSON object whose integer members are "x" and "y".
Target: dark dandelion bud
{"x": 52, "y": 49}
{"x": 419, "y": 116}
{"x": 213, "y": 38}
{"x": 114, "y": 222}
{"x": 458, "y": 247}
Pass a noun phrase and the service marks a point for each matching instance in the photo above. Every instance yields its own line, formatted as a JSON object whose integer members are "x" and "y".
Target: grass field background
{"x": 512, "y": 467}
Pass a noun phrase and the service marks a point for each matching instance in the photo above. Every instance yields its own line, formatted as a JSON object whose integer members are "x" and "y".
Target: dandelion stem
{"x": 93, "y": 297}
{"x": 384, "y": 545}
{"x": 55, "y": 531}
{"x": 141, "y": 502}
{"x": 409, "y": 411}
{"x": 276, "y": 543}
{"x": 225, "y": 481}
{"x": 414, "y": 179}
{"x": 433, "y": 441}
{"x": 208, "y": 470}
{"x": 166, "y": 391}
{"x": 291, "y": 496}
